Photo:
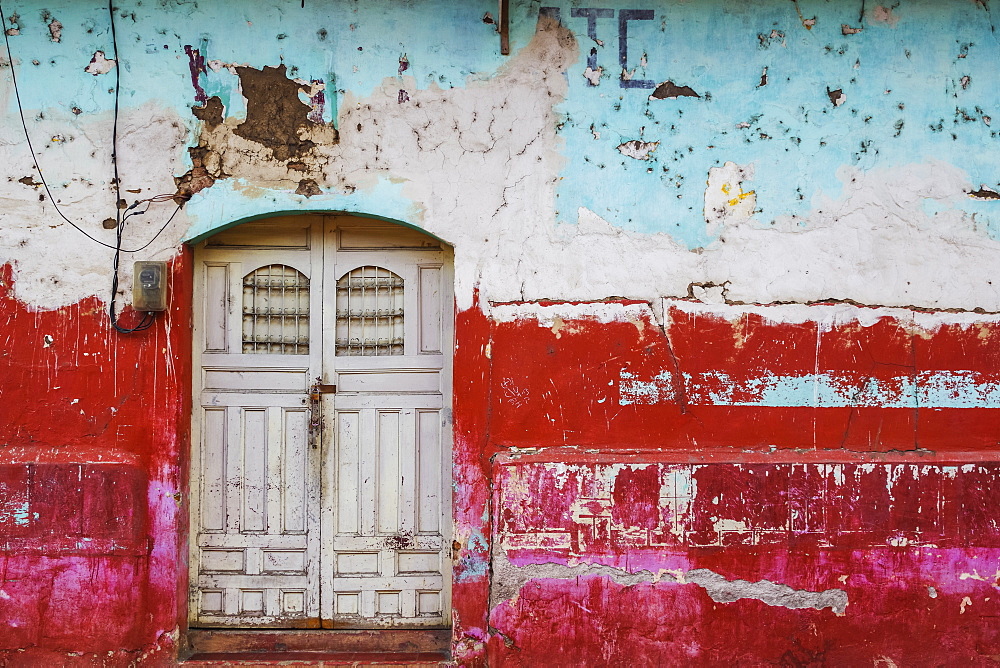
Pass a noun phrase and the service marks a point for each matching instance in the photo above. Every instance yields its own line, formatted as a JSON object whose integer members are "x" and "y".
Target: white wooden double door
{"x": 320, "y": 482}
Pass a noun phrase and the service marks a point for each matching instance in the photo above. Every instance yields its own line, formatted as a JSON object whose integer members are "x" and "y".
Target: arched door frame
{"x": 378, "y": 222}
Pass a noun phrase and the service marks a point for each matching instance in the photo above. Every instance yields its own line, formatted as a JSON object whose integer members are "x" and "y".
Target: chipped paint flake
{"x": 638, "y": 149}
{"x": 593, "y": 76}
{"x": 668, "y": 90}
{"x": 55, "y": 30}
{"x": 99, "y": 64}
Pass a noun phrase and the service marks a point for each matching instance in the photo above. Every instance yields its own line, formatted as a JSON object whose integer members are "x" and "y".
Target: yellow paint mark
{"x": 740, "y": 197}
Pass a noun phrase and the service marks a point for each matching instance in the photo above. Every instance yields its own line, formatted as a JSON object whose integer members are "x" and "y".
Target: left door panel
{"x": 255, "y": 496}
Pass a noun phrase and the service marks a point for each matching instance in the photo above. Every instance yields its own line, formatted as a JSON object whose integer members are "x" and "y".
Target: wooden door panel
{"x": 255, "y": 548}
{"x": 387, "y": 544}
{"x": 347, "y": 530}
{"x": 254, "y": 544}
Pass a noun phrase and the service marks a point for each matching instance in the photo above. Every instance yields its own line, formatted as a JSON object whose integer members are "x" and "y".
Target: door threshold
{"x": 427, "y": 644}
{"x": 321, "y": 659}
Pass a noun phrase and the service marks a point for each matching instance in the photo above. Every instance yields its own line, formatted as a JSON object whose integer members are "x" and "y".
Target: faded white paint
{"x": 828, "y": 317}
{"x": 479, "y": 165}
{"x": 55, "y": 265}
{"x": 725, "y": 200}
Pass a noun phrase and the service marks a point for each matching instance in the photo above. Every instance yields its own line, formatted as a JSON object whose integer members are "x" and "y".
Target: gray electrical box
{"x": 149, "y": 286}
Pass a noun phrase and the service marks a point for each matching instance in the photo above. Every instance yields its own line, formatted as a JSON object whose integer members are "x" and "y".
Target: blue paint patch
{"x": 354, "y": 47}
{"x": 472, "y": 567}
{"x": 912, "y": 92}
{"x": 474, "y": 563}
{"x": 228, "y": 203}
{"x": 18, "y": 513}
{"x": 925, "y": 389}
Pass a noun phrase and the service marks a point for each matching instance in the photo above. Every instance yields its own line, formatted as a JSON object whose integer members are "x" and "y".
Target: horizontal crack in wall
{"x": 722, "y": 590}
{"x": 508, "y": 579}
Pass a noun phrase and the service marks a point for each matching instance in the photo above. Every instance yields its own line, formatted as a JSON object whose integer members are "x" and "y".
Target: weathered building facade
{"x": 669, "y": 337}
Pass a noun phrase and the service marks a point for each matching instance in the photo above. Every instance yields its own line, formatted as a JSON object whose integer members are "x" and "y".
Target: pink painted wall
{"x": 588, "y": 529}
{"x": 93, "y": 437}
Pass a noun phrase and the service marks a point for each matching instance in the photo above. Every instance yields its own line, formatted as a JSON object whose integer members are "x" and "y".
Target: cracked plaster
{"x": 479, "y": 165}
{"x": 508, "y": 579}
{"x": 54, "y": 264}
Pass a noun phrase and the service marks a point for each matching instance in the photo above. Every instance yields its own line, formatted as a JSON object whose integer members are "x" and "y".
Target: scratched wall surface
{"x": 740, "y": 486}
{"x": 91, "y": 488}
{"x": 726, "y": 375}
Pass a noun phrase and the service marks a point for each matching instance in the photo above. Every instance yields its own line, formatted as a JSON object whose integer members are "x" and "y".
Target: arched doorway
{"x": 321, "y": 440}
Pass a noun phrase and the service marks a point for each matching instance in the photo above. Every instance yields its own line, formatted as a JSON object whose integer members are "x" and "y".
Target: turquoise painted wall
{"x": 916, "y": 80}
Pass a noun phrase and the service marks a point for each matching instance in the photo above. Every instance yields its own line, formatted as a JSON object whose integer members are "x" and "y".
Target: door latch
{"x": 316, "y": 392}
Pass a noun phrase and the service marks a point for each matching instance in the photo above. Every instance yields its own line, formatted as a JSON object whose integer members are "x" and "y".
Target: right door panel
{"x": 385, "y": 503}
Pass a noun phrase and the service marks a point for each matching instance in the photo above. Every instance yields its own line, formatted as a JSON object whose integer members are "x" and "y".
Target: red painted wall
{"x": 93, "y": 431}
{"x": 578, "y": 520}
{"x": 599, "y": 509}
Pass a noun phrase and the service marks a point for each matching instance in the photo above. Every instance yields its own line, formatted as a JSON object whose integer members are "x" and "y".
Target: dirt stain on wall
{"x": 277, "y": 143}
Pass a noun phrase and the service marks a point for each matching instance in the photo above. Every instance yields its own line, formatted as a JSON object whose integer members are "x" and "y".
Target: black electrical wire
{"x": 31, "y": 148}
{"x": 120, "y": 219}
{"x": 147, "y": 318}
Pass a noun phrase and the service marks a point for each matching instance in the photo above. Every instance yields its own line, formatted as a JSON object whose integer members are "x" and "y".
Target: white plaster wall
{"x": 480, "y": 163}
{"x": 55, "y": 265}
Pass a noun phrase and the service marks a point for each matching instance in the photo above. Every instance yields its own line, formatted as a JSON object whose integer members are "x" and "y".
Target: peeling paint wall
{"x": 707, "y": 524}
{"x": 726, "y": 309}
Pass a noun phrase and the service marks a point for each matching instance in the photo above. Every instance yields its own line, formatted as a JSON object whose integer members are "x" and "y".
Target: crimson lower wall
{"x": 92, "y": 482}
{"x": 657, "y": 498}
{"x": 625, "y": 493}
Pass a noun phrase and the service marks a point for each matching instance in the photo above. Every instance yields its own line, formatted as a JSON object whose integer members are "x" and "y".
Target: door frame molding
{"x": 379, "y": 640}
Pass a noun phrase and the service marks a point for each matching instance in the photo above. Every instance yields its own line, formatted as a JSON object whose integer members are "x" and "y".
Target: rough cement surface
{"x": 508, "y": 579}
{"x": 722, "y": 590}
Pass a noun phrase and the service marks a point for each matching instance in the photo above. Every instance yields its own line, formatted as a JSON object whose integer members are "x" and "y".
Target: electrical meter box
{"x": 149, "y": 286}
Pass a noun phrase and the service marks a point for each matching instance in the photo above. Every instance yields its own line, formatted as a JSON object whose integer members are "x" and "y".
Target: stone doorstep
{"x": 268, "y": 647}
{"x": 320, "y": 659}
